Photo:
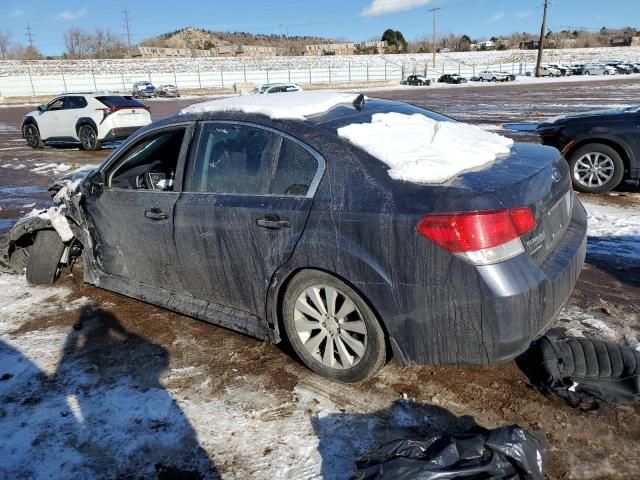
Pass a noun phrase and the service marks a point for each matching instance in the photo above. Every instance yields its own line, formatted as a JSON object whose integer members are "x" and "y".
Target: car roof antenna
{"x": 358, "y": 103}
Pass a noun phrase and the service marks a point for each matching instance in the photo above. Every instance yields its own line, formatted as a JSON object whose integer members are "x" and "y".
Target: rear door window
{"x": 73, "y": 103}
{"x": 248, "y": 160}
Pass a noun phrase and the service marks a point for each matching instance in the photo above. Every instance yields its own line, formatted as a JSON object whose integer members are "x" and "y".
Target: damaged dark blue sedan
{"x": 270, "y": 222}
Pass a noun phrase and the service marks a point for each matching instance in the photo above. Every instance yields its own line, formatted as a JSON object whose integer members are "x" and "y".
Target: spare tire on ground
{"x": 583, "y": 369}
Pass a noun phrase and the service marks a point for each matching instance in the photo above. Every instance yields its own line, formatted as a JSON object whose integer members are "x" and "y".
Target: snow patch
{"x": 296, "y": 105}
{"x": 422, "y": 150}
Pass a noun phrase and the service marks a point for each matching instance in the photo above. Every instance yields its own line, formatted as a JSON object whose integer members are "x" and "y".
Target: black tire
{"x": 374, "y": 355}
{"x": 595, "y": 148}
{"x": 31, "y": 134}
{"x": 88, "y": 138}
{"x": 44, "y": 258}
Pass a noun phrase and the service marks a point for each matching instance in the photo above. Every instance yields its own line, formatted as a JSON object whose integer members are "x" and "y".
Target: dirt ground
{"x": 269, "y": 385}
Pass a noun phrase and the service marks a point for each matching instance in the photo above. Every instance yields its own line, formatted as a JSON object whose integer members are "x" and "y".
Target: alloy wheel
{"x": 593, "y": 169}
{"x": 88, "y": 138}
{"x": 31, "y": 135}
{"x": 330, "y": 326}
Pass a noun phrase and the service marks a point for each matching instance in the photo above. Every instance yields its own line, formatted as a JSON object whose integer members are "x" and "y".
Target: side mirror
{"x": 41, "y": 108}
{"x": 96, "y": 181}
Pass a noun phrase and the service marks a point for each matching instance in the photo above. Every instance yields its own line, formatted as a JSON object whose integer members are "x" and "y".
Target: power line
{"x": 29, "y": 35}
{"x": 127, "y": 28}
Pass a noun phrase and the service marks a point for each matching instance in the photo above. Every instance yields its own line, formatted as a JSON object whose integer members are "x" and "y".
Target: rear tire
{"x": 44, "y": 257}
{"x": 88, "y": 138}
{"x": 346, "y": 343}
{"x": 608, "y": 165}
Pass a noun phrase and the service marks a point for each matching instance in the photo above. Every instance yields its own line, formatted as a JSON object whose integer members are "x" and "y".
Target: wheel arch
{"x": 86, "y": 121}
{"x": 279, "y": 287}
{"x": 29, "y": 120}
{"x": 618, "y": 146}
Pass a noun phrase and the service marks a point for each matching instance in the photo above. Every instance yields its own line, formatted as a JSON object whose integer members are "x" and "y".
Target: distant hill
{"x": 201, "y": 39}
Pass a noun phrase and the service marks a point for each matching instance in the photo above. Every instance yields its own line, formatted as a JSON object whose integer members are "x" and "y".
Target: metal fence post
{"x": 175, "y": 78}
{"x": 310, "y": 82}
{"x": 349, "y": 71}
{"x": 199, "y": 79}
{"x": 64, "y": 82}
{"x": 33, "y": 90}
{"x": 267, "y": 75}
{"x": 221, "y": 79}
{"x": 149, "y": 74}
{"x": 244, "y": 68}
{"x": 385, "y": 71}
{"x": 289, "y": 72}
{"x": 367, "y": 70}
{"x": 330, "y": 73}
{"x": 95, "y": 85}
{"x": 124, "y": 88}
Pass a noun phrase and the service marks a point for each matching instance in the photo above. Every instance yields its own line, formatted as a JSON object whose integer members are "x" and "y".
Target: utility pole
{"x": 542, "y": 31}
{"x": 127, "y": 28}
{"x": 433, "y": 35}
{"x": 29, "y": 35}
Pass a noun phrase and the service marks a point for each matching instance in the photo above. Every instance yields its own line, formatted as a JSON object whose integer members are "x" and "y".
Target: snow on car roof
{"x": 294, "y": 105}
{"x": 422, "y": 150}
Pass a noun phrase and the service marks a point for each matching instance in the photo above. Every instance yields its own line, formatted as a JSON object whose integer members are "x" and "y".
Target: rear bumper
{"x": 120, "y": 133}
{"x": 489, "y": 314}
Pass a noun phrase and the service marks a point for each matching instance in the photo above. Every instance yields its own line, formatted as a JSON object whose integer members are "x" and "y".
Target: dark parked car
{"x": 279, "y": 228}
{"x": 143, "y": 89}
{"x": 602, "y": 147}
{"x": 453, "y": 78}
{"x": 418, "y": 80}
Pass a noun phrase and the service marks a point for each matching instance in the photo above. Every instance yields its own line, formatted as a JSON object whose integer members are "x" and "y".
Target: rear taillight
{"x": 482, "y": 237}
{"x": 106, "y": 112}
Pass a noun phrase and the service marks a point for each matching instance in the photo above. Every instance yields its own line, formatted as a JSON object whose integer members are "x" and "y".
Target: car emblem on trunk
{"x": 555, "y": 175}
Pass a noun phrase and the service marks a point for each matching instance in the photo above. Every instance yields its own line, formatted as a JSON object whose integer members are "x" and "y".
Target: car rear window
{"x": 344, "y": 115}
{"x": 115, "y": 101}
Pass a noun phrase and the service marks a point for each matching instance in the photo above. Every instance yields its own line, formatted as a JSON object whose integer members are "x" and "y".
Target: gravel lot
{"x": 93, "y": 384}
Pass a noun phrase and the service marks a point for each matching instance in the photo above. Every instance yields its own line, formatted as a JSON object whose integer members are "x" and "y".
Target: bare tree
{"x": 5, "y": 43}
{"x": 77, "y": 43}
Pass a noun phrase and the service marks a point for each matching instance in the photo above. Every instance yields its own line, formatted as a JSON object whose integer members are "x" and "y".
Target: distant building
{"x": 530, "y": 45}
{"x": 221, "y": 51}
{"x": 625, "y": 41}
{"x": 344, "y": 48}
{"x": 486, "y": 45}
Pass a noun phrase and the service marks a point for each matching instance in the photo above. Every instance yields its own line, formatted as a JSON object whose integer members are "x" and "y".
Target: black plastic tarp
{"x": 584, "y": 369}
{"x": 507, "y": 453}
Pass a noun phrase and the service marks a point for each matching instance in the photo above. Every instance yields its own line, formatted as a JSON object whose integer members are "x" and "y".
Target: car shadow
{"x": 103, "y": 414}
{"x": 344, "y": 437}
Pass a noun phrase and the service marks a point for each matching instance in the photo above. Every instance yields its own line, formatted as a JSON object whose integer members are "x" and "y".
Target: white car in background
{"x": 490, "y": 76}
{"x": 88, "y": 118}
{"x": 549, "y": 71}
{"x": 598, "y": 69}
{"x": 276, "y": 88}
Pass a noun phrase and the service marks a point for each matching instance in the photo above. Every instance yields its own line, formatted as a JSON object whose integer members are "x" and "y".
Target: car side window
{"x": 242, "y": 159}
{"x": 55, "y": 105}
{"x": 149, "y": 164}
{"x": 72, "y": 103}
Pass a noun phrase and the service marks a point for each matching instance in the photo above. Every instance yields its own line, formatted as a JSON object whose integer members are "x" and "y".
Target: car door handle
{"x": 156, "y": 214}
{"x": 273, "y": 222}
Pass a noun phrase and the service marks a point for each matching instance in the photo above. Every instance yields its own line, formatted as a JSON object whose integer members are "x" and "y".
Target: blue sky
{"x": 352, "y": 19}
